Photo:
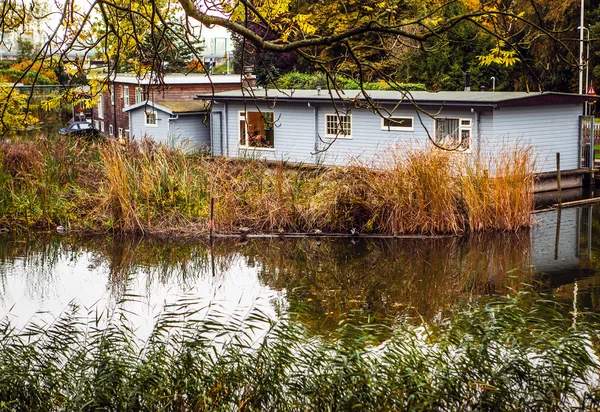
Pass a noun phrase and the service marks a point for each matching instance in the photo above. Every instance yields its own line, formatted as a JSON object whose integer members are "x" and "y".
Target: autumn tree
{"x": 359, "y": 39}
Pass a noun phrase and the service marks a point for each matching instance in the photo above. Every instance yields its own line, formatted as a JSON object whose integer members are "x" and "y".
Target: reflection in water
{"x": 326, "y": 278}
{"x": 321, "y": 279}
{"x": 393, "y": 277}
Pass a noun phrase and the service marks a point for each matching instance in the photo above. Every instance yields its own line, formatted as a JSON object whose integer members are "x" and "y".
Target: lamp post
{"x": 587, "y": 65}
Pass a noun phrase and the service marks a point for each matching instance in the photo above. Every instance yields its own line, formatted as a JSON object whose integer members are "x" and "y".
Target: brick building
{"x": 127, "y": 90}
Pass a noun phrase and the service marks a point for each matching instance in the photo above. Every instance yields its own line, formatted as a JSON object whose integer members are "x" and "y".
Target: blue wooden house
{"x": 314, "y": 126}
{"x": 323, "y": 127}
{"x": 174, "y": 122}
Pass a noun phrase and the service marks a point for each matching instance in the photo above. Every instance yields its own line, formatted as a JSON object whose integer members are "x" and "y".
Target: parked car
{"x": 82, "y": 129}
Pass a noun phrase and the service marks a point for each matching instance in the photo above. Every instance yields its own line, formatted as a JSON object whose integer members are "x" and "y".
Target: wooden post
{"x": 212, "y": 214}
{"x": 558, "y": 183}
{"x": 557, "y": 236}
{"x": 592, "y": 156}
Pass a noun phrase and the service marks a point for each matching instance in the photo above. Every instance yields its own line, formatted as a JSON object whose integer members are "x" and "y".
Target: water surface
{"x": 323, "y": 279}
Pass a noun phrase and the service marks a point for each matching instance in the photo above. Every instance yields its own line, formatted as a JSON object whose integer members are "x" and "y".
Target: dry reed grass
{"x": 149, "y": 188}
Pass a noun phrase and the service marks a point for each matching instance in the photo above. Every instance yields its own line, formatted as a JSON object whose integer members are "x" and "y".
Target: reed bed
{"x": 514, "y": 353}
{"x": 155, "y": 189}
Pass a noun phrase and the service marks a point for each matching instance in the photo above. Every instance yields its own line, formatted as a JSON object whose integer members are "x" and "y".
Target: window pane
{"x": 261, "y": 131}
{"x": 446, "y": 132}
{"x": 398, "y": 122}
{"x": 338, "y": 125}
{"x": 242, "y": 133}
{"x": 151, "y": 118}
{"x": 453, "y": 134}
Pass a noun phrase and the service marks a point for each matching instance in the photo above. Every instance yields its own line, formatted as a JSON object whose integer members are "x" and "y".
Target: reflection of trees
{"x": 389, "y": 278}
{"x": 324, "y": 279}
{"x": 34, "y": 258}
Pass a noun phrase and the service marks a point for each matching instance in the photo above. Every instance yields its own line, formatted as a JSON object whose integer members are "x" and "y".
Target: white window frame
{"x": 125, "y": 96}
{"x": 465, "y": 124}
{"x": 97, "y": 124}
{"x": 337, "y": 118}
{"x": 100, "y": 107}
{"x": 102, "y": 127}
{"x": 242, "y": 116}
{"x": 139, "y": 95}
{"x": 110, "y": 129}
{"x": 149, "y": 111}
{"x": 120, "y": 135}
{"x": 113, "y": 92}
{"x": 398, "y": 127}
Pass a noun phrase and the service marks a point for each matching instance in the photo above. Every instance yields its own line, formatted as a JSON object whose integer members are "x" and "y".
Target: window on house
{"x": 257, "y": 129}
{"x": 100, "y": 107}
{"x": 120, "y": 132}
{"x": 102, "y": 127}
{"x": 139, "y": 95}
{"x": 453, "y": 134}
{"x": 338, "y": 125}
{"x": 110, "y": 129}
{"x": 96, "y": 124}
{"x": 151, "y": 117}
{"x": 125, "y": 96}
{"x": 126, "y": 134}
{"x": 397, "y": 123}
{"x": 113, "y": 92}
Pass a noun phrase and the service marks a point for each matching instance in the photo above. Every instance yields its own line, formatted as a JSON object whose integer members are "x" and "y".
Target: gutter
{"x": 274, "y": 100}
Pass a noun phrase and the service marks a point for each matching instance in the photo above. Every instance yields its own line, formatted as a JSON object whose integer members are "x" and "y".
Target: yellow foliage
{"x": 499, "y": 56}
{"x": 36, "y": 67}
{"x": 14, "y": 107}
{"x": 303, "y": 23}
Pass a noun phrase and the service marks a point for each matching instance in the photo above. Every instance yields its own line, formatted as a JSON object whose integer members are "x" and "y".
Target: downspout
{"x": 221, "y": 126}
{"x": 478, "y": 130}
{"x": 212, "y": 117}
{"x": 115, "y": 129}
{"x": 316, "y": 134}
{"x": 130, "y": 131}
{"x": 226, "y": 127}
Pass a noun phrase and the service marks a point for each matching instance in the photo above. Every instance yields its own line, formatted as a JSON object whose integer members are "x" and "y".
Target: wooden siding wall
{"x": 187, "y": 131}
{"x": 295, "y": 133}
{"x": 190, "y": 132}
{"x": 159, "y": 133}
{"x": 549, "y": 129}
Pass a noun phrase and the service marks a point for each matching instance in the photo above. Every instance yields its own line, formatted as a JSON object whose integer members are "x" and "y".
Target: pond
{"x": 323, "y": 279}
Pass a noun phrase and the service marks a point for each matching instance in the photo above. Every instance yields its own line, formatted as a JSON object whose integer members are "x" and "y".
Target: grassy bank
{"x": 516, "y": 353}
{"x": 152, "y": 189}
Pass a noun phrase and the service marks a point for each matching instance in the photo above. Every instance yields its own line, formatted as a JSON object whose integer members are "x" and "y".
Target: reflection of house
{"x": 298, "y": 125}
{"x": 127, "y": 90}
{"x": 562, "y": 245}
{"x": 180, "y": 123}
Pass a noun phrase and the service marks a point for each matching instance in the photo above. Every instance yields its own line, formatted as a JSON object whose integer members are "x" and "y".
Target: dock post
{"x": 592, "y": 156}
{"x": 558, "y": 183}
{"x": 212, "y": 211}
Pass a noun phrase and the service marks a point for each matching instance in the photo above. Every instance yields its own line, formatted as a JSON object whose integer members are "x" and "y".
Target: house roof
{"x": 191, "y": 78}
{"x": 174, "y": 106}
{"x": 490, "y": 99}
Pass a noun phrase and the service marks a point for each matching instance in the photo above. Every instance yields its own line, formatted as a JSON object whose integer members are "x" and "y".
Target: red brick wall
{"x": 158, "y": 92}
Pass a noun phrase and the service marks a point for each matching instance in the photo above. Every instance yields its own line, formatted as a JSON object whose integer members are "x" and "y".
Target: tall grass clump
{"x": 499, "y": 190}
{"x": 514, "y": 353}
{"x": 149, "y": 188}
